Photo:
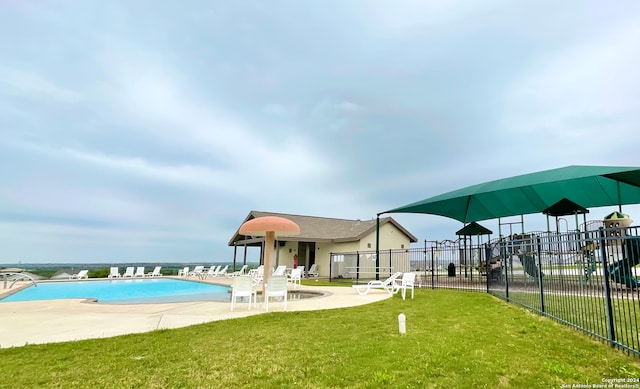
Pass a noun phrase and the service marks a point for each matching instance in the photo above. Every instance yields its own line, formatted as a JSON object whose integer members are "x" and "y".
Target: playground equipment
{"x": 626, "y": 247}
{"x": 622, "y": 271}
{"x": 529, "y": 265}
{"x": 589, "y": 259}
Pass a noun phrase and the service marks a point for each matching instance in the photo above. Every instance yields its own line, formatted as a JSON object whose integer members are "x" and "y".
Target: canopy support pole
{"x": 377, "y": 246}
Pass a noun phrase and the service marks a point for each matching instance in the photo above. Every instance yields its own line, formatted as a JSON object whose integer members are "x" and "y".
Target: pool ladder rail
{"x": 20, "y": 277}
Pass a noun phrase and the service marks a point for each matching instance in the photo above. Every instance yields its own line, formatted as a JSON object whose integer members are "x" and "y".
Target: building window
{"x": 368, "y": 245}
{"x": 401, "y": 246}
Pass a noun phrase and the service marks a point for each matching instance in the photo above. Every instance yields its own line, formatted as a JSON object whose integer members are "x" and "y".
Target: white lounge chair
{"x": 276, "y": 287}
{"x": 129, "y": 272}
{"x": 301, "y": 267}
{"x": 313, "y": 271}
{"x": 257, "y": 274}
{"x": 408, "y": 281}
{"x": 82, "y": 274}
{"x": 139, "y": 271}
{"x": 198, "y": 271}
{"x": 155, "y": 272}
{"x": 183, "y": 272}
{"x": 243, "y": 286}
{"x": 389, "y": 285}
{"x": 240, "y": 272}
{"x": 212, "y": 271}
{"x": 222, "y": 272}
{"x": 280, "y": 270}
{"x": 295, "y": 277}
{"x": 114, "y": 272}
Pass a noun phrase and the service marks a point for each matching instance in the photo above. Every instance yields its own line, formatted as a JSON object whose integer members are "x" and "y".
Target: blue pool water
{"x": 157, "y": 290}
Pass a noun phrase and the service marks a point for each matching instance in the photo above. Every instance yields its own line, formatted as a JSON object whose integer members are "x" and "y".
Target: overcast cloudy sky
{"x": 147, "y": 130}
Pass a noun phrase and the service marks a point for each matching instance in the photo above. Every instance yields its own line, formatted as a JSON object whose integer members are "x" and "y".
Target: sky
{"x": 146, "y": 131}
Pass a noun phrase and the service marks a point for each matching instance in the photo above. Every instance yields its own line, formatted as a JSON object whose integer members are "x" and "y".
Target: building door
{"x": 306, "y": 254}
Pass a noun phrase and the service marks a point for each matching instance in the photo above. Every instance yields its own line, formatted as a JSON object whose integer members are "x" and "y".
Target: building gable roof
{"x": 322, "y": 229}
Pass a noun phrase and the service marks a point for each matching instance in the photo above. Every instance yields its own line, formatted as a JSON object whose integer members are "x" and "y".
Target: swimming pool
{"x": 157, "y": 290}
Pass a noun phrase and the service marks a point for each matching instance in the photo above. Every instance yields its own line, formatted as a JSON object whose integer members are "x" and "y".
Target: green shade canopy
{"x": 616, "y": 215}
{"x": 565, "y": 207}
{"x": 589, "y": 186}
{"x": 472, "y": 229}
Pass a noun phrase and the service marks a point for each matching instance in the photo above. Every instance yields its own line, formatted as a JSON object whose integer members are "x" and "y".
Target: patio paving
{"x": 36, "y": 322}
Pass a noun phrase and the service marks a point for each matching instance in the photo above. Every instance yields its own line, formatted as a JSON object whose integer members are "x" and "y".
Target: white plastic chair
{"x": 80, "y": 275}
{"x": 313, "y": 271}
{"x": 257, "y": 274}
{"x": 280, "y": 270}
{"x": 212, "y": 271}
{"x": 129, "y": 272}
{"x": 222, "y": 272}
{"x": 114, "y": 272}
{"x": 389, "y": 285}
{"x": 183, "y": 272}
{"x": 240, "y": 272}
{"x": 242, "y": 287}
{"x": 295, "y": 277}
{"x": 276, "y": 287}
{"x": 155, "y": 272}
{"x": 139, "y": 271}
{"x": 408, "y": 282}
{"x": 198, "y": 271}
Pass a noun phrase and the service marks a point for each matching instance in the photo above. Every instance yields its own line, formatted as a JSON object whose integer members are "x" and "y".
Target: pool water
{"x": 134, "y": 291}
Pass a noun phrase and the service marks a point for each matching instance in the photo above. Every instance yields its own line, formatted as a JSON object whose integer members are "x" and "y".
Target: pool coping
{"x": 47, "y": 321}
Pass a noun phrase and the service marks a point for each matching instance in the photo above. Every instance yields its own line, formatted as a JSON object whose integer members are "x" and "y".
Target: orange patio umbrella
{"x": 270, "y": 227}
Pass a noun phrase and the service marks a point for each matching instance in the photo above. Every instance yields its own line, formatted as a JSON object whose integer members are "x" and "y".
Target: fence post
{"x": 433, "y": 270}
{"x": 357, "y": 266}
{"x": 538, "y": 246}
{"x": 424, "y": 263}
{"x": 607, "y": 289}
{"x": 330, "y": 265}
{"x": 504, "y": 252}
{"x": 487, "y": 263}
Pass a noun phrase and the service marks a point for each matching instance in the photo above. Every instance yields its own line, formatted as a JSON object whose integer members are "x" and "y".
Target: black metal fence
{"x": 583, "y": 279}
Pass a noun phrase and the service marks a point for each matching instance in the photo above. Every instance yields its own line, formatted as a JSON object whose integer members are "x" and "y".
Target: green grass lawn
{"x": 454, "y": 340}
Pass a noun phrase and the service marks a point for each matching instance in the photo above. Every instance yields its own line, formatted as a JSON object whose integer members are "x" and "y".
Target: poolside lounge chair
{"x": 295, "y": 277}
{"x": 313, "y": 271}
{"x": 243, "y": 286}
{"x": 114, "y": 272}
{"x": 222, "y": 272}
{"x": 183, "y": 272}
{"x": 408, "y": 281}
{"x": 280, "y": 270}
{"x": 257, "y": 274}
{"x": 82, "y": 274}
{"x": 240, "y": 272}
{"x": 212, "y": 271}
{"x": 139, "y": 271}
{"x": 129, "y": 272}
{"x": 301, "y": 267}
{"x": 198, "y": 271}
{"x": 389, "y": 285}
{"x": 277, "y": 287}
{"x": 155, "y": 272}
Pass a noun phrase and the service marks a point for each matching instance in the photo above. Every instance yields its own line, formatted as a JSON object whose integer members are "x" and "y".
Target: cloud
{"x": 583, "y": 90}
{"x": 158, "y": 129}
{"x": 32, "y": 85}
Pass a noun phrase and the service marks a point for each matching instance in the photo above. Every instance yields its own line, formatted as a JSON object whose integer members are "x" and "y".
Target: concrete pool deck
{"x": 36, "y": 322}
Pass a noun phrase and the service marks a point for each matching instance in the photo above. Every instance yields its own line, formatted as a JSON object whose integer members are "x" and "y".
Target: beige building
{"x": 320, "y": 237}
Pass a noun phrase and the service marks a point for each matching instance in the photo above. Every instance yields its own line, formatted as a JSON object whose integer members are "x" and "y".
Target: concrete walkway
{"x": 35, "y": 322}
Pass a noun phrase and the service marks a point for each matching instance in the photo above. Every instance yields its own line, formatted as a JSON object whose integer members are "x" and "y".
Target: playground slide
{"x": 622, "y": 271}
{"x": 529, "y": 265}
